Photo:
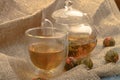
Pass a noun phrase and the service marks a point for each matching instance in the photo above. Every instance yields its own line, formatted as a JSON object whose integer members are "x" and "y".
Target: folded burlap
{"x": 24, "y": 14}
{"x": 6, "y": 71}
{"x": 15, "y": 9}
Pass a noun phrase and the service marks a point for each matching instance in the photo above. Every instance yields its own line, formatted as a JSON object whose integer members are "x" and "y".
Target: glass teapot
{"x": 82, "y": 36}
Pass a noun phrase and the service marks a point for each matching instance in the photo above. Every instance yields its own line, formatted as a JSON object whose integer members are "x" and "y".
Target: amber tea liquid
{"x": 81, "y": 45}
{"x": 46, "y": 56}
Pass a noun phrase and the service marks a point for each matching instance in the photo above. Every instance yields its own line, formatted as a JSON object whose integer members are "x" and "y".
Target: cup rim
{"x": 27, "y": 32}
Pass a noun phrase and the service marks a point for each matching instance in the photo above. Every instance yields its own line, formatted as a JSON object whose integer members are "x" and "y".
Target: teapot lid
{"x": 69, "y": 15}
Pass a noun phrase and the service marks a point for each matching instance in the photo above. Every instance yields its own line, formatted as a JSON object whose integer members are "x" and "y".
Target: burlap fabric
{"x": 18, "y": 15}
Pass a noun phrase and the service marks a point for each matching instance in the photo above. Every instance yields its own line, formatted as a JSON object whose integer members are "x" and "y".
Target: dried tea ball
{"x": 70, "y": 63}
{"x": 88, "y": 62}
{"x": 111, "y": 56}
{"x": 108, "y": 41}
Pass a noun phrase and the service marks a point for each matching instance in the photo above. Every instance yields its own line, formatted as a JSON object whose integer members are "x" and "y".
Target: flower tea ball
{"x": 88, "y": 62}
{"x": 111, "y": 56}
{"x": 108, "y": 41}
{"x": 71, "y": 62}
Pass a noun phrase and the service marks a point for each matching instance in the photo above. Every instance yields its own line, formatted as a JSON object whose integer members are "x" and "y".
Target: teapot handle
{"x": 68, "y": 4}
{"x": 45, "y": 22}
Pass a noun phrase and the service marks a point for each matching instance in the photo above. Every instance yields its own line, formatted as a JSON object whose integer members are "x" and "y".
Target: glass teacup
{"x": 48, "y": 49}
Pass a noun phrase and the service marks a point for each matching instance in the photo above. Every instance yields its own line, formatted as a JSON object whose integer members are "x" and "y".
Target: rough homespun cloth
{"x": 16, "y": 16}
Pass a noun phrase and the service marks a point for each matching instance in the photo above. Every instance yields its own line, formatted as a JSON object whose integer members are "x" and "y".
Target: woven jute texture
{"x": 16, "y": 16}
